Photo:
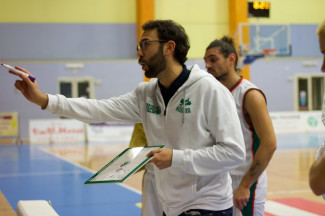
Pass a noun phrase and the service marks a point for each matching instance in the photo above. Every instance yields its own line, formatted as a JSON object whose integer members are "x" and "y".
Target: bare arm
{"x": 317, "y": 175}
{"x": 256, "y": 108}
{"x": 30, "y": 89}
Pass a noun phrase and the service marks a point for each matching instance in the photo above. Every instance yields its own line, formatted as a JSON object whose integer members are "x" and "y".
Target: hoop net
{"x": 270, "y": 52}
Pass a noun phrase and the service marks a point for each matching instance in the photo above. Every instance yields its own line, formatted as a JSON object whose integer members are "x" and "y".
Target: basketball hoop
{"x": 269, "y": 52}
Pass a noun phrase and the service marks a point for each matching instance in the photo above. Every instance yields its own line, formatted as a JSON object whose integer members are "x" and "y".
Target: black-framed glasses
{"x": 144, "y": 43}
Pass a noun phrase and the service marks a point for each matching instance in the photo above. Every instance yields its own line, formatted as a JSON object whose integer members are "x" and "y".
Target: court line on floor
{"x": 8, "y": 175}
{"x": 87, "y": 169}
{"x": 279, "y": 209}
{"x": 288, "y": 192}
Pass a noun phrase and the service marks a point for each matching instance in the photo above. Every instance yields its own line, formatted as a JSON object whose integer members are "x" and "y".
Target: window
{"x": 308, "y": 92}
{"x": 77, "y": 87}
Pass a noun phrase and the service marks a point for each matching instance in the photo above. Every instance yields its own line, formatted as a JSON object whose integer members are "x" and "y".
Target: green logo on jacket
{"x": 181, "y": 106}
{"x": 153, "y": 109}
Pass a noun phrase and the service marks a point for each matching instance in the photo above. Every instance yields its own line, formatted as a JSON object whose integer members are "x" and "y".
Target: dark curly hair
{"x": 170, "y": 30}
{"x": 226, "y": 46}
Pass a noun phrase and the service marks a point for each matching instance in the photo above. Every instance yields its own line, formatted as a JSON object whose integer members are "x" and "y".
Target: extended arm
{"x": 256, "y": 108}
{"x": 123, "y": 108}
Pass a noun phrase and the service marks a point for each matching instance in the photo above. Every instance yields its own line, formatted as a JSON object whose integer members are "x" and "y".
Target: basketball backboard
{"x": 256, "y": 39}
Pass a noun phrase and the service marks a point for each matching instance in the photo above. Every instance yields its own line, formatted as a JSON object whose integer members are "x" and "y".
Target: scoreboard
{"x": 259, "y": 9}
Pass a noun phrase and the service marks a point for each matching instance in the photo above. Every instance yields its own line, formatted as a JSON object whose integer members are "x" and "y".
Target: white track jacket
{"x": 200, "y": 124}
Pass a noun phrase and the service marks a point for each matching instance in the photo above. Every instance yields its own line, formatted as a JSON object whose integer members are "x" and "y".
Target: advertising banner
{"x": 297, "y": 122}
{"x": 106, "y": 132}
{"x": 9, "y": 125}
{"x": 46, "y": 131}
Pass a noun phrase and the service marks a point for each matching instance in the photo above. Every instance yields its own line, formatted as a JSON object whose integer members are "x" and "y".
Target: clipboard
{"x": 123, "y": 166}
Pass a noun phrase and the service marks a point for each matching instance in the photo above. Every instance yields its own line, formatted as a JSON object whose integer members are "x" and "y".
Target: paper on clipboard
{"x": 123, "y": 166}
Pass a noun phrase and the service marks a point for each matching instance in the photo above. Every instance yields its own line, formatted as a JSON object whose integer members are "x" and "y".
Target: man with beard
{"x": 185, "y": 109}
{"x": 249, "y": 179}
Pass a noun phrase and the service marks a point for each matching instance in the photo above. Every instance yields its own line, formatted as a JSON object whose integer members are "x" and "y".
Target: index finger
{"x": 23, "y": 69}
{"x": 27, "y": 78}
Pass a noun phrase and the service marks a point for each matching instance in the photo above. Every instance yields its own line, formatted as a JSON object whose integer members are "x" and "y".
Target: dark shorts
{"x": 201, "y": 212}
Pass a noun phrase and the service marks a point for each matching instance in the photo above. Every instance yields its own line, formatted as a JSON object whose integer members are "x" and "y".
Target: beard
{"x": 155, "y": 64}
{"x": 220, "y": 76}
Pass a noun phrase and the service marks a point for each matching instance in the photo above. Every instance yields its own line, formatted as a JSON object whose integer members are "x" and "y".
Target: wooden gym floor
{"x": 65, "y": 168}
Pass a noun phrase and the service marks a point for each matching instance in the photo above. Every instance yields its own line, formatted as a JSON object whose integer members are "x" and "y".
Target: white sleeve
{"x": 124, "y": 108}
{"x": 320, "y": 150}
